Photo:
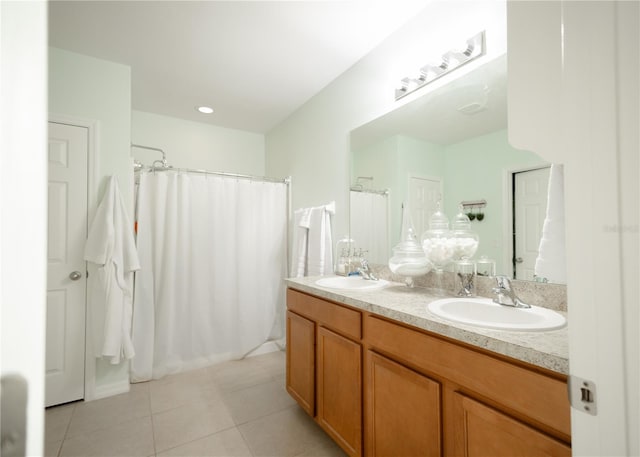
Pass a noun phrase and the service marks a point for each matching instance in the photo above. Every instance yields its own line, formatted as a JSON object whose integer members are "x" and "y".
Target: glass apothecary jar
{"x": 464, "y": 278}
{"x": 345, "y": 251}
{"x": 485, "y": 266}
{"x": 466, "y": 240}
{"x": 409, "y": 259}
{"x": 438, "y": 245}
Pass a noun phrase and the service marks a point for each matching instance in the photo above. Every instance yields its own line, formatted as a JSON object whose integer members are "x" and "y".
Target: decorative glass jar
{"x": 344, "y": 256}
{"x": 438, "y": 244}
{"x": 466, "y": 240}
{"x": 409, "y": 259}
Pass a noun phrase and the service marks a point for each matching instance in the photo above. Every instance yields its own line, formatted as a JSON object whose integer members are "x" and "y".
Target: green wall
{"x": 391, "y": 162}
{"x": 474, "y": 169}
{"x": 477, "y": 169}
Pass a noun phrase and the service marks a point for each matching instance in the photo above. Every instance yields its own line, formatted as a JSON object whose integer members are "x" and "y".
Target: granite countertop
{"x": 548, "y": 349}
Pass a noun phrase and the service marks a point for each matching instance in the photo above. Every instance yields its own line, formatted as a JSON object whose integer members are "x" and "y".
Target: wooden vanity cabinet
{"x": 489, "y": 406}
{"x": 423, "y": 394}
{"x": 324, "y": 366}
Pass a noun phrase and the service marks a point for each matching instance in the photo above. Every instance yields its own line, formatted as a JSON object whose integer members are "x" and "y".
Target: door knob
{"x": 519, "y": 260}
{"x": 75, "y": 275}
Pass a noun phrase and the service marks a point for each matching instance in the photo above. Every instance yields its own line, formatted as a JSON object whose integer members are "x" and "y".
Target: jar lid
{"x": 461, "y": 221}
{"x": 438, "y": 220}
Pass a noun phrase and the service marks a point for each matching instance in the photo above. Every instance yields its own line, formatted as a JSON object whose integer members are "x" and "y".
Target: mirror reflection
{"x": 450, "y": 145}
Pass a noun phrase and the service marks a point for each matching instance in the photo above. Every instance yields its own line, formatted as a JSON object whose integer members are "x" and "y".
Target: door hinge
{"x": 582, "y": 395}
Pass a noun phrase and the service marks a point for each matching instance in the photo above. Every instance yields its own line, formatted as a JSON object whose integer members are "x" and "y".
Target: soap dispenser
{"x": 409, "y": 259}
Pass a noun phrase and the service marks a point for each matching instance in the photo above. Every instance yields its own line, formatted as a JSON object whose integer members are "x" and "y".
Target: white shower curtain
{"x": 213, "y": 257}
{"x": 369, "y": 220}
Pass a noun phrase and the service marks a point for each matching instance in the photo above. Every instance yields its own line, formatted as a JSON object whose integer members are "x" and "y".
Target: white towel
{"x": 312, "y": 243}
{"x": 551, "y": 261}
{"x": 319, "y": 249}
{"x": 111, "y": 246}
{"x": 300, "y": 240}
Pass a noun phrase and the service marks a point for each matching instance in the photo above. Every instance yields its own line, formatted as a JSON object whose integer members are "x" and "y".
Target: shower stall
{"x": 213, "y": 254}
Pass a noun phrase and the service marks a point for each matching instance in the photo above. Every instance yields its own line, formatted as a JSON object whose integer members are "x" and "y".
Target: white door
{"x": 530, "y": 209}
{"x": 66, "y": 273}
{"x": 424, "y": 194}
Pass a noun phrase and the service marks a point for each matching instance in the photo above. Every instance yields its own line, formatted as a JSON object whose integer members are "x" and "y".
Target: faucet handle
{"x": 503, "y": 282}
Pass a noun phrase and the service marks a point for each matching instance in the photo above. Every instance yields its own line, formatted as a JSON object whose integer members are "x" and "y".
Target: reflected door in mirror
{"x": 424, "y": 193}
{"x": 530, "y": 207}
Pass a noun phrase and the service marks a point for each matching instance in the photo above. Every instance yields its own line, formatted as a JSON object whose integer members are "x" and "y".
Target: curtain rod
{"x": 150, "y": 148}
{"x": 286, "y": 180}
{"x": 370, "y": 191}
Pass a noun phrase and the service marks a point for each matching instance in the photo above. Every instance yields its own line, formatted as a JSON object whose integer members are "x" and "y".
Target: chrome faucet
{"x": 505, "y": 294}
{"x": 365, "y": 271}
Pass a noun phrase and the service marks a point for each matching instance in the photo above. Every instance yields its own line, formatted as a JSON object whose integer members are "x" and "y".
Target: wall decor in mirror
{"x": 451, "y": 145}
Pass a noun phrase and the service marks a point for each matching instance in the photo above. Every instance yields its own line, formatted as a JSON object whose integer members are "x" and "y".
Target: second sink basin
{"x": 351, "y": 283}
{"x": 483, "y": 312}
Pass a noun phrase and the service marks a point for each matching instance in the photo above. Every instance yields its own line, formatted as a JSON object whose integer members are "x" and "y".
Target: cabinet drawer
{"x": 535, "y": 395}
{"x": 339, "y": 318}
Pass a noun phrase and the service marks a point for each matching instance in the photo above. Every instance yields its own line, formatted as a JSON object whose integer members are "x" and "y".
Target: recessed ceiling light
{"x": 205, "y": 109}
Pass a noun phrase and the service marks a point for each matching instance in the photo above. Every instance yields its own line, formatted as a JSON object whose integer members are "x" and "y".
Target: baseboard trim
{"x": 110, "y": 390}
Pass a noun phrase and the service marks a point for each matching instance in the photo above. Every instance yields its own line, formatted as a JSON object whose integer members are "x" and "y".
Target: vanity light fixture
{"x": 450, "y": 61}
{"x": 204, "y": 109}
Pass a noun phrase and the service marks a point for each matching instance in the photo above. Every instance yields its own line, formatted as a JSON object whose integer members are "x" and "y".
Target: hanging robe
{"x": 111, "y": 246}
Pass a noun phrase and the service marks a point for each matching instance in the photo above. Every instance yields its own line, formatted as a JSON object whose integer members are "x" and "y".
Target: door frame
{"x": 507, "y": 211}
{"x": 93, "y": 129}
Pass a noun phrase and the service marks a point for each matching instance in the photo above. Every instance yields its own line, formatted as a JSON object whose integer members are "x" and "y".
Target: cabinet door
{"x": 340, "y": 389}
{"x": 301, "y": 361}
{"x": 403, "y": 410}
{"x": 484, "y": 431}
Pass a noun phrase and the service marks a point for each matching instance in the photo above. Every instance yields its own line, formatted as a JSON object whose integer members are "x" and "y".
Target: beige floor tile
{"x": 107, "y": 412}
{"x": 327, "y": 448}
{"x": 56, "y": 421}
{"x": 139, "y": 387}
{"x": 188, "y": 423}
{"x": 189, "y": 376}
{"x": 237, "y": 375}
{"x": 130, "y": 438}
{"x": 228, "y": 443}
{"x": 287, "y": 433}
{"x": 167, "y": 396}
{"x": 273, "y": 362}
{"x": 257, "y": 401}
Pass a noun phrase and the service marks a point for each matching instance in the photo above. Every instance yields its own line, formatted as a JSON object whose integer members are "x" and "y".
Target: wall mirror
{"x": 450, "y": 144}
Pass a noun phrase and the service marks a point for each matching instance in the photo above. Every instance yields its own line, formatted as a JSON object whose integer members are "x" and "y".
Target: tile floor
{"x": 238, "y": 408}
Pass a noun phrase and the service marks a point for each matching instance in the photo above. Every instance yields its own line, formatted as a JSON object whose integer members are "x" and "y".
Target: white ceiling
{"x": 254, "y": 62}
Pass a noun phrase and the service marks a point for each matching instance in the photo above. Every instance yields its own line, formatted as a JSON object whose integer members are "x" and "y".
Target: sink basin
{"x": 483, "y": 312}
{"x": 351, "y": 283}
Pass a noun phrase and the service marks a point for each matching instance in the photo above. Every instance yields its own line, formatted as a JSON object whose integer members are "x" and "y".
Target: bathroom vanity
{"x": 383, "y": 376}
